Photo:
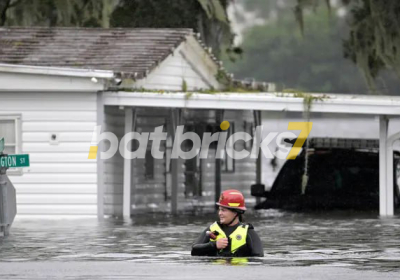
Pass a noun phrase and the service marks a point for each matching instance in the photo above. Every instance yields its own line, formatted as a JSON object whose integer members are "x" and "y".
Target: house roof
{"x": 131, "y": 52}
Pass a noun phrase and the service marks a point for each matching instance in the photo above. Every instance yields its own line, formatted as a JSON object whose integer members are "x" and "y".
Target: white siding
{"x": 114, "y": 121}
{"x": 40, "y": 82}
{"x": 60, "y": 179}
{"x": 186, "y": 63}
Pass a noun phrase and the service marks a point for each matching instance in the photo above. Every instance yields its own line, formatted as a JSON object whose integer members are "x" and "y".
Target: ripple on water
{"x": 289, "y": 240}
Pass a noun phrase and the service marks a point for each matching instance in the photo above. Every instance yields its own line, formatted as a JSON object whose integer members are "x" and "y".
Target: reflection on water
{"x": 361, "y": 241}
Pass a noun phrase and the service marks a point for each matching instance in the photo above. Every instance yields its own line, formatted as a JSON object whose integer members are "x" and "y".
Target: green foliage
{"x": 374, "y": 41}
{"x": 207, "y": 17}
{"x": 315, "y": 62}
{"x": 308, "y": 98}
{"x": 79, "y": 13}
{"x": 265, "y": 8}
{"x": 278, "y": 53}
{"x": 184, "y": 86}
{"x": 374, "y": 38}
{"x": 188, "y": 95}
{"x": 300, "y": 7}
{"x": 215, "y": 9}
{"x": 222, "y": 77}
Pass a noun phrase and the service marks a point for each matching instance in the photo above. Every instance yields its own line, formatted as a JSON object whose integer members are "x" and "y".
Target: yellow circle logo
{"x": 238, "y": 237}
{"x": 225, "y": 125}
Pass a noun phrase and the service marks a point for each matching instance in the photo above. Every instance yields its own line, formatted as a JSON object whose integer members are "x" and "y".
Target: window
{"x": 10, "y": 130}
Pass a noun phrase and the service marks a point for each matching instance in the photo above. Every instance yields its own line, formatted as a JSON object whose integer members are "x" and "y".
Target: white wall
{"x": 188, "y": 63}
{"x": 114, "y": 121}
{"x": 31, "y": 82}
{"x": 60, "y": 179}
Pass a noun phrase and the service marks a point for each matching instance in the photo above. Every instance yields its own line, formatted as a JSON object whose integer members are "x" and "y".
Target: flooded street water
{"x": 361, "y": 242}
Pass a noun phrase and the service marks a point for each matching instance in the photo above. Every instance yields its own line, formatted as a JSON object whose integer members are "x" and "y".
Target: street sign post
{"x": 14, "y": 161}
{"x": 1, "y": 145}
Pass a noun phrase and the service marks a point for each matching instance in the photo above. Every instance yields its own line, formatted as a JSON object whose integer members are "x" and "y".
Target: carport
{"x": 382, "y": 107}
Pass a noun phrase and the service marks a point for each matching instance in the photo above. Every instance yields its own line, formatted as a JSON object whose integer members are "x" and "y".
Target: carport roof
{"x": 324, "y": 103}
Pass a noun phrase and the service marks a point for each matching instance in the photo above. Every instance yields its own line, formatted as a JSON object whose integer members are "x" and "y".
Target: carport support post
{"x": 257, "y": 122}
{"x": 126, "y": 206}
{"x": 175, "y": 162}
{"x": 386, "y": 205}
{"x": 174, "y": 185}
{"x": 100, "y": 162}
{"x": 390, "y": 173}
{"x": 220, "y": 115}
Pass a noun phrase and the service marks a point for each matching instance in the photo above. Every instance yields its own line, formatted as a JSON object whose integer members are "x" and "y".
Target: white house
{"x": 58, "y": 84}
{"x": 49, "y": 113}
{"x": 52, "y": 82}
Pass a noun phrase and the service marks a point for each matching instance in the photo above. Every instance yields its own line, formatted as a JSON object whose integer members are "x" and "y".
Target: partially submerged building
{"x": 53, "y": 87}
{"x": 58, "y": 84}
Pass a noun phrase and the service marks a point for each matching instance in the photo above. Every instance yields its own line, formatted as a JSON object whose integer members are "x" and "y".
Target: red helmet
{"x": 232, "y": 199}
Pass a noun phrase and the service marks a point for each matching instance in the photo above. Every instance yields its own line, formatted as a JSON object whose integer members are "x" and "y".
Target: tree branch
{"x": 7, "y": 6}
{"x": 3, "y": 12}
{"x": 16, "y": 3}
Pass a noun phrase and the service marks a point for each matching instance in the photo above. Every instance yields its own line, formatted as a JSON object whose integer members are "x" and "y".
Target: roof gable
{"x": 189, "y": 68}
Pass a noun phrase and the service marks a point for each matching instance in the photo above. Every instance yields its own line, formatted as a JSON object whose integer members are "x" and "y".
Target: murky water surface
{"x": 359, "y": 240}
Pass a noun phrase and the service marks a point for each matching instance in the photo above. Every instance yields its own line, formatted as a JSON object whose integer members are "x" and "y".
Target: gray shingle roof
{"x": 129, "y": 51}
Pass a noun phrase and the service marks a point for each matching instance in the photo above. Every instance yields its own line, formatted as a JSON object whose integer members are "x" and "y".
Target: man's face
{"x": 225, "y": 215}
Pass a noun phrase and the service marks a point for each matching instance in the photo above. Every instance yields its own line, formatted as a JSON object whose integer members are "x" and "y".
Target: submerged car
{"x": 342, "y": 174}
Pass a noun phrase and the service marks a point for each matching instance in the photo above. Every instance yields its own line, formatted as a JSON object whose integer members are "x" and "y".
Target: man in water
{"x": 229, "y": 237}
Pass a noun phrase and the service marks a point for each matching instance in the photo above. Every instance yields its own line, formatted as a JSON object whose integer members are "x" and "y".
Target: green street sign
{"x": 13, "y": 161}
{"x": 1, "y": 145}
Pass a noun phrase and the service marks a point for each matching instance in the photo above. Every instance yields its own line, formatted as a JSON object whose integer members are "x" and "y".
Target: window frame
{"x": 17, "y": 118}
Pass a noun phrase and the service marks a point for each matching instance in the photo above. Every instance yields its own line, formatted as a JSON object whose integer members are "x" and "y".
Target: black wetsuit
{"x": 253, "y": 247}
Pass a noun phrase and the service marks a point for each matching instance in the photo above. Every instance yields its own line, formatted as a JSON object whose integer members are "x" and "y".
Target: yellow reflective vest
{"x": 238, "y": 237}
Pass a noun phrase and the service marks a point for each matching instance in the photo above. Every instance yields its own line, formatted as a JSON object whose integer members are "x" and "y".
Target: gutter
{"x": 56, "y": 71}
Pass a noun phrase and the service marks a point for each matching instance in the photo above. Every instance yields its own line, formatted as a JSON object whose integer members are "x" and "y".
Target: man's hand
{"x": 222, "y": 243}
